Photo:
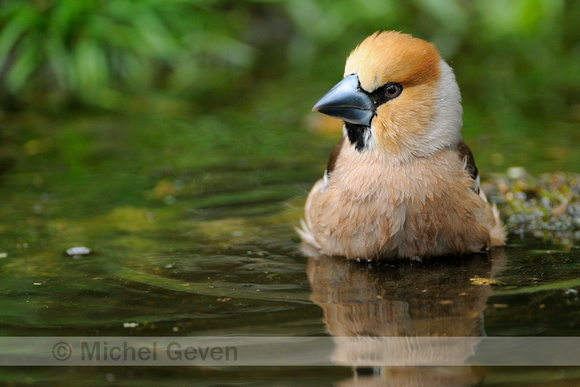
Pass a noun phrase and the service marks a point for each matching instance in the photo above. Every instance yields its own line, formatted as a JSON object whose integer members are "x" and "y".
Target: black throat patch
{"x": 358, "y": 135}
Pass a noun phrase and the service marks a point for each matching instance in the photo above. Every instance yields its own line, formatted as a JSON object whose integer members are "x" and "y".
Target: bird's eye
{"x": 393, "y": 90}
{"x": 386, "y": 93}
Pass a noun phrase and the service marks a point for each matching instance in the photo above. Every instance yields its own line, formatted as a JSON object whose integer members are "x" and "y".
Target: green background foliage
{"x": 516, "y": 62}
{"x": 520, "y": 54}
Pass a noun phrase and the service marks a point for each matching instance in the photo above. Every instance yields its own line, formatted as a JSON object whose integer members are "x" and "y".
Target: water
{"x": 190, "y": 223}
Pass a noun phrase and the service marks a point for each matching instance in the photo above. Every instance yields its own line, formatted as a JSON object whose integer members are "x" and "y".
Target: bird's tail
{"x": 497, "y": 231}
{"x": 306, "y": 234}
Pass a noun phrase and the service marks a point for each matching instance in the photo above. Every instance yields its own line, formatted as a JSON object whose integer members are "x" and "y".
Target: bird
{"x": 401, "y": 183}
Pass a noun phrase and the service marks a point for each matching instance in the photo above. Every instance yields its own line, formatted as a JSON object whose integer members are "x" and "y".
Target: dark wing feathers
{"x": 333, "y": 157}
{"x": 467, "y": 157}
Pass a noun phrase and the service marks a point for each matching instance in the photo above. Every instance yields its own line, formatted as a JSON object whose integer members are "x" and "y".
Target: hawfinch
{"x": 401, "y": 183}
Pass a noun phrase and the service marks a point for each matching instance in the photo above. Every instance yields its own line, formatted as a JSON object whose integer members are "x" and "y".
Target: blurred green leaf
{"x": 14, "y": 29}
{"x": 23, "y": 66}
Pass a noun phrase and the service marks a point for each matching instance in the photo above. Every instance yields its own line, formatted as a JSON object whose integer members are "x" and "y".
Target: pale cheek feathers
{"x": 423, "y": 119}
{"x": 402, "y": 125}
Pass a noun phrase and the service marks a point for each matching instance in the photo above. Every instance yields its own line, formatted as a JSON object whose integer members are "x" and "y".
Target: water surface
{"x": 190, "y": 223}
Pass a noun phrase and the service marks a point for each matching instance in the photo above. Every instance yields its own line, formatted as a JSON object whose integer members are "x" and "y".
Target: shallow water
{"x": 192, "y": 234}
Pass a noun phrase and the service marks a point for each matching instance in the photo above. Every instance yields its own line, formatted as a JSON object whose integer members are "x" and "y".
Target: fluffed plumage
{"x": 401, "y": 183}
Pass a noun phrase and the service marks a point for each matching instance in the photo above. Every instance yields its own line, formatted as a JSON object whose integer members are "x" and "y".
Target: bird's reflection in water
{"x": 369, "y": 307}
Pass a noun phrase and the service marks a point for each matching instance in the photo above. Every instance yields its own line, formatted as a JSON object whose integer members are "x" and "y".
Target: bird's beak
{"x": 348, "y": 102}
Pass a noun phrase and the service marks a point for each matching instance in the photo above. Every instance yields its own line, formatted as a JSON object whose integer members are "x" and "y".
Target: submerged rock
{"x": 78, "y": 251}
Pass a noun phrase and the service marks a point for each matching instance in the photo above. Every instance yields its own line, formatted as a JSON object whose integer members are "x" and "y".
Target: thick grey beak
{"x": 348, "y": 102}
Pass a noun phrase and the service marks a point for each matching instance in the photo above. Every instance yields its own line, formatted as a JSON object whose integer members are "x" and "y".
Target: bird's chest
{"x": 388, "y": 185}
{"x": 391, "y": 196}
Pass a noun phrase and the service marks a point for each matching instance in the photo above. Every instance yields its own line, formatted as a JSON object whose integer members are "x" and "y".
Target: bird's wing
{"x": 467, "y": 157}
{"x": 333, "y": 157}
{"x": 331, "y": 163}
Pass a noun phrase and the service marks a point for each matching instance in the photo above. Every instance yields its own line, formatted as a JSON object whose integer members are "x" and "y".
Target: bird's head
{"x": 398, "y": 96}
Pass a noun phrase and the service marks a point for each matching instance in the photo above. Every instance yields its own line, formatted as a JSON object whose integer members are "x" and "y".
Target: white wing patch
{"x": 325, "y": 180}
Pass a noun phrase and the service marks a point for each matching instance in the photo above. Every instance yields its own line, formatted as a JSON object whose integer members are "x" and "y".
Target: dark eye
{"x": 393, "y": 90}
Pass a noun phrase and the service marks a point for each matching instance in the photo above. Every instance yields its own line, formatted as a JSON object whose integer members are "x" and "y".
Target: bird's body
{"x": 402, "y": 183}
